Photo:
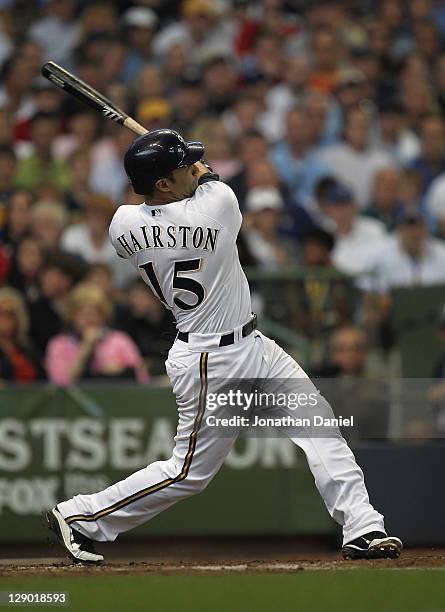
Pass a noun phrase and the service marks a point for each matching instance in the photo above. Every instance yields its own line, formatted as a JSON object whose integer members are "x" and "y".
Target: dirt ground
{"x": 207, "y": 556}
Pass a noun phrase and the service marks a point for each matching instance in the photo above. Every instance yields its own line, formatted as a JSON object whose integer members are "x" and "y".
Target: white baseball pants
{"x": 199, "y": 452}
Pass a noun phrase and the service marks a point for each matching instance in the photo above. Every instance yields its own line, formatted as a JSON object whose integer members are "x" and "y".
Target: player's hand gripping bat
{"x": 87, "y": 94}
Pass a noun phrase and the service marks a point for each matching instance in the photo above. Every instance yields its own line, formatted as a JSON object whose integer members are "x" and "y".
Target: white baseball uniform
{"x": 186, "y": 252}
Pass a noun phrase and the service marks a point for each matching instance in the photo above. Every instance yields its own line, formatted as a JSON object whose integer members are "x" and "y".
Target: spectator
{"x": 189, "y": 103}
{"x": 326, "y": 49}
{"x": 431, "y": 161}
{"x": 90, "y": 350}
{"x": 48, "y": 219}
{"x": 357, "y": 238}
{"x": 112, "y": 62}
{"x": 439, "y": 77}
{"x": 322, "y": 117}
{"x": 47, "y": 98}
{"x": 101, "y": 275}
{"x": 18, "y": 362}
{"x": 318, "y": 304}
{"x": 284, "y": 96}
{"x": 27, "y": 264}
{"x": 15, "y": 93}
{"x": 410, "y": 189}
{"x": 385, "y": 202}
{"x": 252, "y": 149}
{"x": 47, "y": 313}
{"x": 150, "y": 84}
{"x": 395, "y": 139}
{"x": 244, "y": 117}
{"x": 83, "y": 127}
{"x": 199, "y": 30}
{"x": 354, "y": 162}
{"x": 350, "y": 364}
{"x": 261, "y": 173}
{"x": 175, "y": 64}
{"x": 89, "y": 240}
{"x": 18, "y": 217}
{"x": 6, "y": 127}
{"x": 265, "y": 207}
{"x": 58, "y": 33}
{"x": 220, "y": 150}
{"x": 413, "y": 259}
{"x": 41, "y": 165}
{"x": 426, "y": 39}
{"x": 77, "y": 195}
{"x": 220, "y": 82}
{"x": 107, "y": 172}
{"x": 316, "y": 248}
{"x": 154, "y": 113}
{"x": 268, "y": 56}
{"x": 8, "y": 167}
{"x": 351, "y": 89}
{"x": 140, "y": 23}
{"x": 348, "y": 353}
{"x": 293, "y": 159}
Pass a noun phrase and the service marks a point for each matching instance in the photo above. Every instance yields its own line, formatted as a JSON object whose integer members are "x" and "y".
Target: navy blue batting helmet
{"x": 151, "y": 156}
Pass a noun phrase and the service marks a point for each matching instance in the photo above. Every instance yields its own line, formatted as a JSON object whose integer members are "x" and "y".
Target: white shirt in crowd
{"x": 219, "y": 41}
{"x": 354, "y": 252}
{"x": 435, "y": 198}
{"x": 394, "y": 268}
{"x": 404, "y": 150}
{"x": 57, "y": 38}
{"x": 264, "y": 252}
{"x": 76, "y": 239}
{"x": 355, "y": 169}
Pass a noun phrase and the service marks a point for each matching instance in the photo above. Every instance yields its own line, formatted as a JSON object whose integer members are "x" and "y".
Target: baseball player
{"x": 182, "y": 241}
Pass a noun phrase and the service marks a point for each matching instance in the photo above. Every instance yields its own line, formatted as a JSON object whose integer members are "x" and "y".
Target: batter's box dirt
{"x": 56, "y": 567}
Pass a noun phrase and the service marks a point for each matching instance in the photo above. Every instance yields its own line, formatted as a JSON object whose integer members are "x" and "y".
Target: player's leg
{"x": 337, "y": 475}
{"x": 196, "y": 458}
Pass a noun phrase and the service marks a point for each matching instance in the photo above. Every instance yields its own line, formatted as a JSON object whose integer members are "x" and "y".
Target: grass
{"x": 305, "y": 591}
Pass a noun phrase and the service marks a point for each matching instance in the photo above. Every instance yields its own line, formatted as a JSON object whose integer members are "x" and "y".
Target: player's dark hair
{"x": 151, "y": 188}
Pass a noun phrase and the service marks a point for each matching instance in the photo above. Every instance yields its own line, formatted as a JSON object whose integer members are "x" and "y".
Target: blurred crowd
{"x": 327, "y": 118}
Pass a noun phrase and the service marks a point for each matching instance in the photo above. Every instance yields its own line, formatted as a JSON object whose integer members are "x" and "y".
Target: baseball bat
{"x": 88, "y": 95}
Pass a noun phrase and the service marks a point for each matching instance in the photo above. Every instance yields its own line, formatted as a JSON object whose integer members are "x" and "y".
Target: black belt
{"x": 227, "y": 339}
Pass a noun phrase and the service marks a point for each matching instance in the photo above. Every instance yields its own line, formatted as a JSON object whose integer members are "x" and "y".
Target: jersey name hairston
{"x": 171, "y": 237}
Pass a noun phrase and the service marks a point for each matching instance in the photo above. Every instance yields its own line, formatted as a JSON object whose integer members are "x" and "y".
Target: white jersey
{"x": 186, "y": 253}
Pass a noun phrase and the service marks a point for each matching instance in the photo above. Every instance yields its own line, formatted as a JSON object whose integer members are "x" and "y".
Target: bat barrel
{"x": 88, "y": 95}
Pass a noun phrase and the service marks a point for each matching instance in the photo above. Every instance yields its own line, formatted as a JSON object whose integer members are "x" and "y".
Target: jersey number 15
{"x": 183, "y": 283}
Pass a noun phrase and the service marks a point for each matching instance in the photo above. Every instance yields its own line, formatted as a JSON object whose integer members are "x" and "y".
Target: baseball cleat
{"x": 78, "y": 547}
{"x": 373, "y": 545}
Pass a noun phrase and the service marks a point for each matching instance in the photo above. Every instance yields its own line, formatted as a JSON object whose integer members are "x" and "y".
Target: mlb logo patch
{"x": 156, "y": 212}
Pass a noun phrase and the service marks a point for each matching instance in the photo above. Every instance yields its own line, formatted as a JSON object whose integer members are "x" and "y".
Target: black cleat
{"x": 78, "y": 547}
{"x": 373, "y": 545}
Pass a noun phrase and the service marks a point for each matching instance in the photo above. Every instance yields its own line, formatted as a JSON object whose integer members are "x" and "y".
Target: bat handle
{"x": 134, "y": 126}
